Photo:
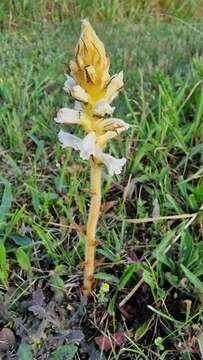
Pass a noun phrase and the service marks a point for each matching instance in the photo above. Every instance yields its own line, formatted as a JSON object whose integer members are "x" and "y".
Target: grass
{"x": 149, "y": 275}
{"x": 14, "y": 12}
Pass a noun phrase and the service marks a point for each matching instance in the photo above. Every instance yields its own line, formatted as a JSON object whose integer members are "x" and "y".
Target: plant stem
{"x": 91, "y": 226}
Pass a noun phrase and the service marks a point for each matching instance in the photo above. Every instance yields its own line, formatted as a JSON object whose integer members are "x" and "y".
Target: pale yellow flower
{"x": 91, "y": 85}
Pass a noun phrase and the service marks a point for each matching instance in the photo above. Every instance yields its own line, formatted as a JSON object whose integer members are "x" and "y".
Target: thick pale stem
{"x": 91, "y": 226}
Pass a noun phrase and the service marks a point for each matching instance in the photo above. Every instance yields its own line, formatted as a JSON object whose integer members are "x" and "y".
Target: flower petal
{"x": 88, "y": 147}
{"x": 69, "y": 83}
{"x": 114, "y": 166}
{"x": 103, "y": 108}
{"x": 69, "y": 140}
{"x": 78, "y": 93}
{"x": 102, "y": 139}
{"x": 114, "y": 124}
{"x": 68, "y": 116}
{"x": 78, "y": 106}
{"x": 90, "y": 74}
{"x": 115, "y": 85}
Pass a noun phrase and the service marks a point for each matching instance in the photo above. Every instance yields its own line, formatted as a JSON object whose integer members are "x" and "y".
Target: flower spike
{"x": 93, "y": 89}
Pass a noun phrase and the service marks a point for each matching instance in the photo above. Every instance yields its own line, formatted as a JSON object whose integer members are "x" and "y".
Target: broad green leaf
{"x": 200, "y": 342}
{"x": 40, "y": 147}
{"x": 174, "y": 204}
{"x": 164, "y": 244}
{"x": 57, "y": 285}
{"x": 24, "y": 352}
{"x": 4, "y": 267}
{"x": 3, "y": 260}
{"x": 186, "y": 248}
{"x": 13, "y": 165}
{"x": 142, "y": 330}
{"x": 107, "y": 277}
{"x": 193, "y": 278}
{"x": 107, "y": 253}
{"x": 6, "y": 199}
{"x": 67, "y": 351}
{"x": 112, "y": 304}
{"x": 199, "y": 270}
{"x": 23, "y": 260}
{"x": 48, "y": 240}
{"x": 140, "y": 153}
{"x": 36, "y": 197}
{"x": 164, "y": 259}
{"x": 20, "y": 240}
{"x": 127, "y": 275}
{"x": 172, "y": 279}
{"x": 16, "y": 216}
{"x": 149, "y": 278}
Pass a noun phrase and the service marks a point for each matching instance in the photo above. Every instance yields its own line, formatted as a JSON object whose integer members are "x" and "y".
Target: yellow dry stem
{"x": 91, "y": 226}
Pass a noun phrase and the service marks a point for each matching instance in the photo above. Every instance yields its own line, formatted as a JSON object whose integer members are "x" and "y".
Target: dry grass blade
{"x": 153, "y": 219}
{"x": 140, "y": 282}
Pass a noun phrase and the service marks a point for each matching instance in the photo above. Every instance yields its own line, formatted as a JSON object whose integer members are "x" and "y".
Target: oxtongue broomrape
{"x": 93, "y": 89}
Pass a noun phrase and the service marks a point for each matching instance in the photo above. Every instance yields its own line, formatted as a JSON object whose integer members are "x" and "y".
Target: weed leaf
{"x": 127, "y": 275}
{"x": 24, "y": 352}
{"x": 6, "y": 200}
{"x": 193, "y": 278}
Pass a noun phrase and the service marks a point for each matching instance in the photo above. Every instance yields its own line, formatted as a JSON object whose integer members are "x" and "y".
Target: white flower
{"x": 87, "y": 147}
{"x": 114, "y": 124}
{"x": 69, "y": 140}
{"x": 103, "y": 108}
{"x": 78, "y": 93}
{"x": 78, "y": 106}
{"x": 68, "y": 116}
{"x": 69, "y": 83}
{"x": 114, "y": 86}
{"x": 114, "y": 166}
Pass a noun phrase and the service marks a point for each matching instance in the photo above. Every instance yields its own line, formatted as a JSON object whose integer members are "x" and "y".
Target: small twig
{"x": 140, "y": 282}
{"x": 152, "y": 219}
{"x": 135, "y": 221}
{"x": 190, "y": 94}
{"x": 60, "y": 225}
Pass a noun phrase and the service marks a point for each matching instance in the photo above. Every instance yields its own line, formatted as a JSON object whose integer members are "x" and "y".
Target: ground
{"x": 148, "y": 289}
